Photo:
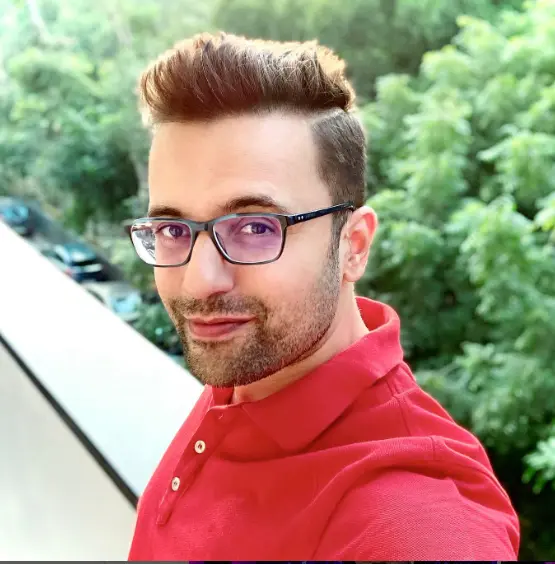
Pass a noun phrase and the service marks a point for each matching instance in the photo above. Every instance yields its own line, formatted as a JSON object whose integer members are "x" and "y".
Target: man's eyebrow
{"x": 164, "y": 211}
{"x": 253, "y": 201}
{"x": 232, "y": 206}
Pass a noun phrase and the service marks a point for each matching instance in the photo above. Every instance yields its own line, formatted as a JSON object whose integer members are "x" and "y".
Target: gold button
{"x": 175, "y": 484}
{"x": 200, "y": 447}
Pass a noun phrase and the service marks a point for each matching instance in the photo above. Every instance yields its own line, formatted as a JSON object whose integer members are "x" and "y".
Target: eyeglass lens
{"x": 248, "y": 239}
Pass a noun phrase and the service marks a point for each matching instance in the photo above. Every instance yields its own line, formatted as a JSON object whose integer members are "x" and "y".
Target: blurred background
{"x": 458, "y": 99}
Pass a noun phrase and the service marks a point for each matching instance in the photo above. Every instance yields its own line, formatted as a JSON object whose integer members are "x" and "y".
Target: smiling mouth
{"x": 215, "y": 329}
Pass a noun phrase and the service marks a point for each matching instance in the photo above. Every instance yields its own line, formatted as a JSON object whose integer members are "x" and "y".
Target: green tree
{"x": 374, "y": 36}
{"x": 69, "y": 130}
{"x": 70, "y": 135}
{"x": 462, "y": 178}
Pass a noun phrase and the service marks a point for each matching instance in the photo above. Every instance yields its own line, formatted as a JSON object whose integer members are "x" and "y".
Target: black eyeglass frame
{"x": 197, "y": 227}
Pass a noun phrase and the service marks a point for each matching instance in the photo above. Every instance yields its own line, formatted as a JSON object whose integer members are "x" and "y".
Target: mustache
{"x": 216, "y": 306}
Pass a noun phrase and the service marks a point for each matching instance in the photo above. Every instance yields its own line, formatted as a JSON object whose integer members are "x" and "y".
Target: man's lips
{"x": 215, "y": 328}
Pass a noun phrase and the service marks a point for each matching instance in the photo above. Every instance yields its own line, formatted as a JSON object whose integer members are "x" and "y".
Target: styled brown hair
{"x": 207, "y": 77}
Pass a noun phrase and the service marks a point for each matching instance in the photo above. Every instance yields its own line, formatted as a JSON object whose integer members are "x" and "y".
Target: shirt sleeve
{"x": 408, "y": 516}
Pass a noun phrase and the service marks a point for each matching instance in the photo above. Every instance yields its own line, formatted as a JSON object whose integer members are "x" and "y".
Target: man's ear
{"x": 360, "y": 231}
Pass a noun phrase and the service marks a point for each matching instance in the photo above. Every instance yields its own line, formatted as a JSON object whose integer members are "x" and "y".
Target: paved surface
{"x": 56, "y": 502}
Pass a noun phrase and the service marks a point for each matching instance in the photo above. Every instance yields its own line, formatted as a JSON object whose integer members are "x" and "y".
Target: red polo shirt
{"x": 352, "y": 462}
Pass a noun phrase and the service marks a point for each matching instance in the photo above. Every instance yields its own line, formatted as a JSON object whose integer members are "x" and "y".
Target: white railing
{"x": 127, "y": 397}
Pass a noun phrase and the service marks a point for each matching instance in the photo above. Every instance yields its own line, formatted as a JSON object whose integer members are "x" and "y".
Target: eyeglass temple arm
{"x": 299, "y": 218}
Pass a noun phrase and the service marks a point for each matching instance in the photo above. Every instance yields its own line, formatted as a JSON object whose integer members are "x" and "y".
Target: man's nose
{"x": 207, "y": 272}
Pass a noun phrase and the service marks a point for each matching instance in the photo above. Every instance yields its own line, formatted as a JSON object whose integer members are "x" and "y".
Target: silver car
{"x": 123, "y": 299}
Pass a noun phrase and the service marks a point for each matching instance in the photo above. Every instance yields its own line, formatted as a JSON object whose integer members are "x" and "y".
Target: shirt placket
{"x": 203, "y": 444}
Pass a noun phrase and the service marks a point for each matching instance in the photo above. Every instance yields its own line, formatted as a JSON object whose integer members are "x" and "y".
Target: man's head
{"x": 252, "y": 126}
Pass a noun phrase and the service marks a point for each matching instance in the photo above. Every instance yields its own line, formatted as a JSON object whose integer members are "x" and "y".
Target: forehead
{"x": 199, "y": 167}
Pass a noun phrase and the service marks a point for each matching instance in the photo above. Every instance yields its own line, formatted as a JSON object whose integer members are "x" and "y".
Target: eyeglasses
{"x": 241, "y": 238}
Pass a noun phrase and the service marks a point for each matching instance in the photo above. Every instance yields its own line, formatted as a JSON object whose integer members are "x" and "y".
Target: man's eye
{"x": 172, "y": 231}
{"x": 257, "y": 228}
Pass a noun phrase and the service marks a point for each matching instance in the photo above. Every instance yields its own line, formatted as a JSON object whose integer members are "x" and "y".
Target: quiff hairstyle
{"x": 207, "y": 77}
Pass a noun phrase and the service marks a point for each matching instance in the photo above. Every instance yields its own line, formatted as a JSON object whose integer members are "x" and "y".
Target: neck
{"x": 346, "y": 329}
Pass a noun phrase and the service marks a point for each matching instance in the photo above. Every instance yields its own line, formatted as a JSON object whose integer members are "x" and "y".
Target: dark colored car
{"x": 79, "y": 261}
{"x": 17, "y": 215}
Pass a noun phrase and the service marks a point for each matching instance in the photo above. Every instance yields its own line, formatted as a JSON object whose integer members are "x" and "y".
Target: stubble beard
{"x": 278, "y": 336}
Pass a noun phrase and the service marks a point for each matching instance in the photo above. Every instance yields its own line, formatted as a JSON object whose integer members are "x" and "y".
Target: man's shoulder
{"x": 421, "y": 479}
{"x": 397, "y": 408}
{"x": 403, "y": 514}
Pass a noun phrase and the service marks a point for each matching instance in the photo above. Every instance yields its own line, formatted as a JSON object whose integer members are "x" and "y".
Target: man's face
{"x": 278, "y": 312}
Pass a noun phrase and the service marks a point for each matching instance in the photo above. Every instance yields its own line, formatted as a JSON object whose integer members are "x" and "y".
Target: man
{"x": 312, "y": 439}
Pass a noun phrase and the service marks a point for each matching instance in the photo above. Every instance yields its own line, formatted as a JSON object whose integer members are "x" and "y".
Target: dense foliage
{"x": 459, "y": 103}
{"x": 375, "y": 36}
{"x": 462, "y": 178}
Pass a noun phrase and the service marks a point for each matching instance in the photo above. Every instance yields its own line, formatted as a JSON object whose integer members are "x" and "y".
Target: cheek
{"x": 168, "y": 281}
{"x": 288, "y": 279}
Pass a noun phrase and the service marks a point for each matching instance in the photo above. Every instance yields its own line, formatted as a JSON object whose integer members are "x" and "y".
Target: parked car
{"x": 77, "y": 260}
{"x": 122, "y": 298}
{"x": 57, "y": 262}
{"x": 17, "y": 215}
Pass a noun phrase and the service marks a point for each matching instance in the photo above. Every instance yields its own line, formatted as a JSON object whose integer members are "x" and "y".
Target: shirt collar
{"x": 297, "y": 414}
